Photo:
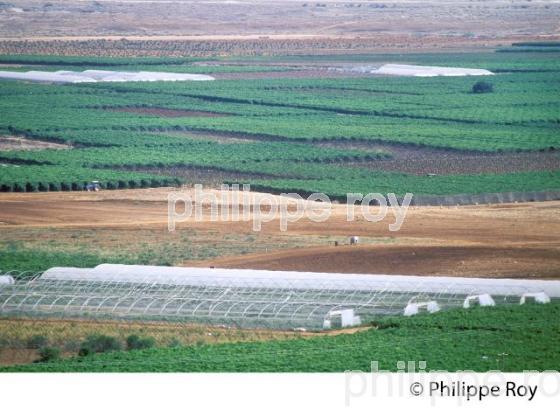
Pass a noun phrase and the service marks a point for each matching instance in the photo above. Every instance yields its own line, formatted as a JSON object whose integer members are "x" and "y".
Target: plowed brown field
{"x": 509, "y": 240}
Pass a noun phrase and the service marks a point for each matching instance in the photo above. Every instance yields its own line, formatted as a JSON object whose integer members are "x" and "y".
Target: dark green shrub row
{"x": 98, "y": 343}
{"x": 135, "y": 342}
{"x": 80, "y": 186}
{"x": 48, "y": 354}
{"x": 92, "y": 61}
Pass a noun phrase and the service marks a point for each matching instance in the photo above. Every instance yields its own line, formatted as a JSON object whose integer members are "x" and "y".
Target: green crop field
{"x": 271, "y": 131}
{"x": 510, "y": 339}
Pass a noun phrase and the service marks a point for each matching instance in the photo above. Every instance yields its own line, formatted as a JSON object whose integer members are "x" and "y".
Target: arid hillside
{"x": 256, "y": 27}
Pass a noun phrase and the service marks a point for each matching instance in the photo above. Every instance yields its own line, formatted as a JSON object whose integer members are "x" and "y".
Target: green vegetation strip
{"x": 512, "y": 339}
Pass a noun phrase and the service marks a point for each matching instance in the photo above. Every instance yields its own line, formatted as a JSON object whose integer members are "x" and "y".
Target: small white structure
{"x": 428, "y": 71}
{"x": 99, "y": 76}
{"x": 413, "y": 308}
{"x": 483, "y": 300}
{"x": 354, "y": 240}
{"x": 346, "y": 316}
{"x": 6, "y": 280}
{"x": 538, "y": 297}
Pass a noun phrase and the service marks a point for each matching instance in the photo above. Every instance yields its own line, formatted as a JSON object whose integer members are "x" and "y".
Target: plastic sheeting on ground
{"x": 94, "y": 76}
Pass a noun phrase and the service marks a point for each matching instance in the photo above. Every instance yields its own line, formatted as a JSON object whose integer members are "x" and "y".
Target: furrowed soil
{"x": 511, "y": 261}
{"x": 505, "y": 240}
{"x": 424, "y": 160}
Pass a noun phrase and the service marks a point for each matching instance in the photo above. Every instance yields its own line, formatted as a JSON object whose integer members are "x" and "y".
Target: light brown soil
{"x": 508, "y": 240}
{"x": 10, "y": 143}
{"x": 10, "y": 356}
{"x": 220, "y": 138}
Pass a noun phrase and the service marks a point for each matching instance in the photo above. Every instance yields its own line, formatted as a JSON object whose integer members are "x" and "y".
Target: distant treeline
{"x": 537, "y": 44}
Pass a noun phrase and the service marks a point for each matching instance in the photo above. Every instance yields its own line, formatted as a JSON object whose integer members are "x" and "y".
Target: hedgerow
{"x": 42, "y": 178}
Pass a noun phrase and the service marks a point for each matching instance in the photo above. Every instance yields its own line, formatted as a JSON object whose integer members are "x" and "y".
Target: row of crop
{"x": 173, "y": 68}
{"x": 82, "y": 185}
{"x": 57, "y": 113}
{"x": 44, "y": 178}
{"x": 119, "y": 95}
{"x": 518, "y": 114}
{"x": 105, "y": 137}
{"x": 38, "y": 118}
{"x": 398, "y": 86}
{"x": 490, "y": 61}
{"x": 476, "y": 137}
{"x": 92, "y": 61}
{"x": 98, "y": 130}
{"x": 400, "y": 184}
{"x": 405, "y": 89}
{"x": 44, "y": 111}
{"x": 429, "y": 105}
{"x": 193, "y": 152}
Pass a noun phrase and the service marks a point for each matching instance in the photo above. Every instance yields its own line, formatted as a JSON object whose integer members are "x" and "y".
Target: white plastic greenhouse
{"x": 251, "y": 298}
{"x": 93, "y": 76}
{"x": 428, "y": 71}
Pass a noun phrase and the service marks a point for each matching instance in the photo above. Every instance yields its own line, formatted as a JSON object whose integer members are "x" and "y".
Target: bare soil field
{"x": 507, "y": 240}
{"x": 208, "y": 177}
{"x": 512, "y": 261}
{"x": 423, "y": 160}
{"x": 11, "y": 143}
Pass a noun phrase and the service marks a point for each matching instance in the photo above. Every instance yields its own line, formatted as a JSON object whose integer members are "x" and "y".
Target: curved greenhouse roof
{"x": 300, "y": 280}
{"x": 249, "y": 298}
{"x": 94, "y": 76}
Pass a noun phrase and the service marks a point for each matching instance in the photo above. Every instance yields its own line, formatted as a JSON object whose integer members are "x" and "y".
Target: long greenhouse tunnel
{"x": 251, "y": 298}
